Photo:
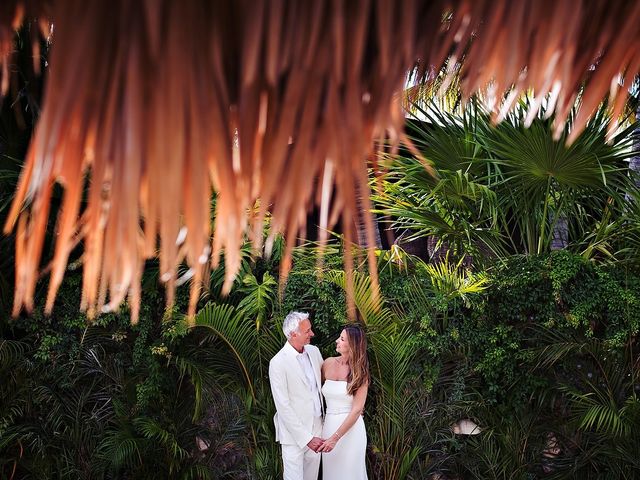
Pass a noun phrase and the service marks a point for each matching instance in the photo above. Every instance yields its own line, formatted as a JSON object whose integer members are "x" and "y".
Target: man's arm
{"x": 286, "y": 414}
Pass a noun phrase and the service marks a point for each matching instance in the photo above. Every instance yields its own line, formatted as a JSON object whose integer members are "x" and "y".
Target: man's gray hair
{"x": 292, "y": 321}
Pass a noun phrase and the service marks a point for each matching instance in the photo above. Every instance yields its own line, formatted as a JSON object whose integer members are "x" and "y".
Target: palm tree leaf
{"x": 225, "y": 323}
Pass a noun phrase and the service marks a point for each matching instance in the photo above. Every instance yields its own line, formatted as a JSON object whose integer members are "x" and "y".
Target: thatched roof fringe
{"x": 160, "y": 103}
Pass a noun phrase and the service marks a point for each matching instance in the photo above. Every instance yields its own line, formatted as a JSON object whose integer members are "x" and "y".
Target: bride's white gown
{"x": 347, "y": 460}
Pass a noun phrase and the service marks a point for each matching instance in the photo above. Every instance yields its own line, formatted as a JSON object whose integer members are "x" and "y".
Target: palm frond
{"x": 152, "y": 430}
{"x": 259, "y": 297}
{"x": 202, "y": 378}
{"x": 121, "y": 448}
{"x": 225, "y": 323}
{"x": 370, "y": 306}
{"x": 11, "y": 351}
{"x": 453, "y": 280}
{"x": 600, "y": 412}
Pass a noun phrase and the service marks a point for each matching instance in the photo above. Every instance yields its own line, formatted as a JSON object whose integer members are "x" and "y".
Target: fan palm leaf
{"x": 539, "y": 178}
{"x": 458, "y": 206}
{"x": 448, "y": 140}
{"x": 511, "y": 188}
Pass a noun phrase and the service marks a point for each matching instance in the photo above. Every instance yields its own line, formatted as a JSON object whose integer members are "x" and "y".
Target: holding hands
{"x": 319, "y": 445}
{"x": 315, "y": 443}
{"x": 329, "y": 444}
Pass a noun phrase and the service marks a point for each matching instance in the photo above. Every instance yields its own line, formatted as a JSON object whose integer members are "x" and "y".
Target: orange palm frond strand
{"x": 273, "y": 105}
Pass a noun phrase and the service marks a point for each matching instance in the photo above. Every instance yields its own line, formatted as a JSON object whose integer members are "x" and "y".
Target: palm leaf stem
{"x": 544, "y": 215}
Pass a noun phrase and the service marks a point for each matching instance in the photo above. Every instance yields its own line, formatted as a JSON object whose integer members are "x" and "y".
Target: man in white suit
{"x": 294, "y": 373}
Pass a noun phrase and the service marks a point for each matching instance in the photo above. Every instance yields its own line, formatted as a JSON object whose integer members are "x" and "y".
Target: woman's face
{"x": 342, "y": 344}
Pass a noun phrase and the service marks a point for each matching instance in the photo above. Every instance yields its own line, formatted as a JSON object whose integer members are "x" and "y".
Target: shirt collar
{"x": 292, "y": 351}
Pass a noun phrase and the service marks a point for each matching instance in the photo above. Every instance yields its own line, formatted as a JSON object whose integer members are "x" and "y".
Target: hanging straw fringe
{"x": 274, "y": 105}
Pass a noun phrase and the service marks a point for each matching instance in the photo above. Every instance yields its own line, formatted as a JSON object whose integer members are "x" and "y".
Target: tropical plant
{"x": 392, "y": 428}
{"x": 100, "y": 401}
{"x": 260, "y": 297}
{"x": 454, "y": 281}
{"x": 457, "y": 206}
{"x": 240, "y": 348}
{"x": 514, "y": 187}
{"x": 506, "y": 447}
{"x": 543, "y": 183}
{"x": 597, "y": 385}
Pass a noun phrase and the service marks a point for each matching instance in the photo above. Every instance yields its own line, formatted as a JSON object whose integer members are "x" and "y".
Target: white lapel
{"x": 292, "y": 356}
{"x": 316, "y": 368}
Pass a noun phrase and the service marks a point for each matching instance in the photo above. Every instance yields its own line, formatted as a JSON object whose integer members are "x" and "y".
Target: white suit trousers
{"x": 302, "y": 463}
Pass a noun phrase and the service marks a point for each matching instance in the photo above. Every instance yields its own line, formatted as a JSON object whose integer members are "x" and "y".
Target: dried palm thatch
{"x": 156, "y": 104}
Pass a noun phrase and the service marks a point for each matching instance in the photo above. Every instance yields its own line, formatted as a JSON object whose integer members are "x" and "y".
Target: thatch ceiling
{"x": 278, "y": 104}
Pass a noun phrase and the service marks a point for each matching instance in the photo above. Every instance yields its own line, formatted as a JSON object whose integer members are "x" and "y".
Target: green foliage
{"x": 508, "y": 449}
{"x": 565, "y": 291}
{"x": 597, "y": 384}
{"x": 259, "y": 297}
{"x": 240, "y": 363}
{"x": 393, "y": 429}
{"x": 538, "y": 347}
{"x": 102, "y": 400}
{"x": 449, "y": 282}
{"x": 509, "y": 189}
{"x": 308, "y": 291}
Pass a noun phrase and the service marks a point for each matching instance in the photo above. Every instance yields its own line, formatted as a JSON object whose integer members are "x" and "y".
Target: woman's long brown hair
{"x": 358, "y": 360}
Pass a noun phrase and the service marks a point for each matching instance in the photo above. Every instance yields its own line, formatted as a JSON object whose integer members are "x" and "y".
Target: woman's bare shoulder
{"x": 329, "y": 362}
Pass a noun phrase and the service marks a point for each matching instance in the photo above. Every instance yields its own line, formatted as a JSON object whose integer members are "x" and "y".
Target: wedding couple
{"x": 299, "y": 379}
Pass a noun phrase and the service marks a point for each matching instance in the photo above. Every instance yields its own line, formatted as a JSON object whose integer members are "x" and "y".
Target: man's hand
{"x": 315, "y": 443}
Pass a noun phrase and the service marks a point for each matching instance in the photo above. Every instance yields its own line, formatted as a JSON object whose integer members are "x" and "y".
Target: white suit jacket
{"x": 294, "y": 403}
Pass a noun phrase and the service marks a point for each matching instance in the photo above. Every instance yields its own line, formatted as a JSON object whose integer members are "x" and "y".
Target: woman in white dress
{"x": 346, "y": 381}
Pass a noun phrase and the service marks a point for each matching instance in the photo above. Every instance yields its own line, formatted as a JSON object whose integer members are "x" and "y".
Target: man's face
{"x": 304, "y": 334}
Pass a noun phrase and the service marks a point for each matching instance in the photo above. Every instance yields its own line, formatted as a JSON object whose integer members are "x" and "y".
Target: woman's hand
{"x": 329, "y": 444}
